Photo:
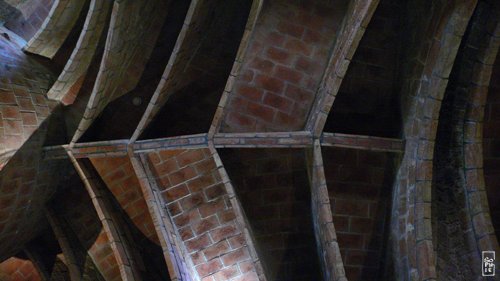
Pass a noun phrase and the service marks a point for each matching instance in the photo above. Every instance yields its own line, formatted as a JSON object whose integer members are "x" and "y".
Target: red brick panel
{"x": 359, "y": 185}
{"x": 15, "y": 269}
{"x": 199, "y": 205}
{"x": 286, "y": 58}
{"x": 23, "y": 105}
{"x": 491, "y": 146}
{"x": 273, "y": 188}
{"x": 119, "y": 176}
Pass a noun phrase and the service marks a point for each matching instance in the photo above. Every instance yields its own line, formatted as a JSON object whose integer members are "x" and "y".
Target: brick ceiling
{"x": 248, "y": 140}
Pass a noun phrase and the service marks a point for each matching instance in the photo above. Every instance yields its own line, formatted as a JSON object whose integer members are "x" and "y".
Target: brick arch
{"x": 70, "y": 80}
{"x": 433, "y": 50}
{"x": 175, "y": 80}
{"x": 459, "y": 199}
{"x": 16, "y": 269}
{"x": 130, "y": 41}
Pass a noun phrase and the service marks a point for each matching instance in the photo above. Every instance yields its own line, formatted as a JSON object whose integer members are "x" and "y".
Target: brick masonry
{"x": 461, "y": 218}
{"x": 199, "y": 205}
{"x": 435, "y": 43}
{"x": 265, "y": 194}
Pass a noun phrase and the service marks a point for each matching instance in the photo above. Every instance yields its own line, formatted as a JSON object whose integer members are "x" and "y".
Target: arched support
{"x": 174, "y": 78}
{"x": 56, "y": 28}
{"x": 326, "y": 237}
{"x": 355, "y": 22}
{"x": 119, "y": 243}
{"x": 459, "y": 193}
{"x": 436, "y": 43}
{"x": 131, "y": 38}
{"x": 69, "y": 82}
{"x": 209, "y": 238}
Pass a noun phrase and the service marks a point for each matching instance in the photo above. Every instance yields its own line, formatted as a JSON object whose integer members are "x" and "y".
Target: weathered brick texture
{"x": 286, "y": 58}
{"x": 359, "y": 185}
{"x": 273, "y": 187}
{"x": 199, "y": 205}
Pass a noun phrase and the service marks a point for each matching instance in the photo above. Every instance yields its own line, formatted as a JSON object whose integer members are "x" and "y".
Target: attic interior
{"x": 250, "y": 140}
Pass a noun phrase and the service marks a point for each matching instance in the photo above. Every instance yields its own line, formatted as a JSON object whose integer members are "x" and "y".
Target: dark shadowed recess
{"x": 360, "y": 190}
{"x": 368, "y": 100}
{"x": 191, "y": 109}
{"x": 491, "y": 149}
{"x": 273, "y": 187}
{"x": 73, "y": 208}
{"x": 124, "y": 113}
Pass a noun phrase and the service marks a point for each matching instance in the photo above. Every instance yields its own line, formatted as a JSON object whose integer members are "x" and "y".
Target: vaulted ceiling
{"x": 248, "y": 140}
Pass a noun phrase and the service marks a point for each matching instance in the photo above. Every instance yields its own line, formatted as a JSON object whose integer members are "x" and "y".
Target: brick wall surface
{"x": 15, "y": 269}
{"x": 198, "y": 203}
{"x": 31, "y": 18}
{"x": 370, "y": 106}
{"x": 119, "y": 176}
{"x": 359, "y": 186}
{"x": 273, "y": 187}
{"x": 491, "y": 146}
{"x": 286, "y": 58}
